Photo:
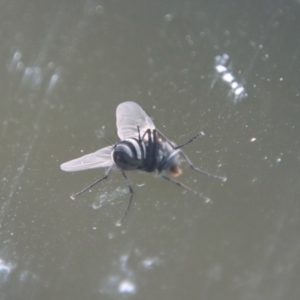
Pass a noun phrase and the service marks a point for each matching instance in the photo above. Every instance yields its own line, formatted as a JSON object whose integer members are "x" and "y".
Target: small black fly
{"x": 141, "y": 147}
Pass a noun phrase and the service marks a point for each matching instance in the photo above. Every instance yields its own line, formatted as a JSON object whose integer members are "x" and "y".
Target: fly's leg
{"x": 148, "y": 131}
{"x": 119, "y": 223}
{"x": 139, "y": 132}
{"x": 199, "y": 170}
{"x": 178, "y": 183}
{"x": 90, "y": 186}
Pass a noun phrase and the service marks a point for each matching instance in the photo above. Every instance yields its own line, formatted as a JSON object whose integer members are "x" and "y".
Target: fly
{"x": 141, "y": 147}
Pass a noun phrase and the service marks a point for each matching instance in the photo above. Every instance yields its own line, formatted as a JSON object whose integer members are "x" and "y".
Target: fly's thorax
{"x": 128, "y": 154}
{"x": 164, "y": 150}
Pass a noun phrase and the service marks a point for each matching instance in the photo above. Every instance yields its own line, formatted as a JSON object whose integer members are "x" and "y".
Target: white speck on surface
{"x": 220, "y": 69}
{"x": 150, "y": 262}
{"x": 228, "y": 77}
{"x": 239, "y": 91}
{"x": 127, "y": 287}
{"x": 168, "y": 17}
{"x": 234, "y": 85}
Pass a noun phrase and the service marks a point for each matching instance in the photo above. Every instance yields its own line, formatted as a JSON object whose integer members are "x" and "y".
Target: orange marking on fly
{"x": 175, "y": 171}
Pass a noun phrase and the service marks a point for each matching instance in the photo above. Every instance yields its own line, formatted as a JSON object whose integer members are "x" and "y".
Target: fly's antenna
{"x": 188, "y": 142}
{"x": 112, "y": 141}
{"x": 116, "y": 134}
{"x": 180, "y": 146}
{"x": 110, "y": 138}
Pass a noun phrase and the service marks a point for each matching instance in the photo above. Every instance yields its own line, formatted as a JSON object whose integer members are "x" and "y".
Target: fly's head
{"x": 169, "y": 161}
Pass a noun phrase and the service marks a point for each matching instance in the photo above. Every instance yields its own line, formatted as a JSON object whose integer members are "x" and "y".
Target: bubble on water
{"x": 15, "y": 61}
{"x": 99, "y": 9}
{"x": 20, "y": 66}
{"x": 107, "y": 197}
{"x": 100, "y": 133}
{"x": 168, "y": 17}
{"x": 52, "y": 83}
{"x": 32, "y": 77}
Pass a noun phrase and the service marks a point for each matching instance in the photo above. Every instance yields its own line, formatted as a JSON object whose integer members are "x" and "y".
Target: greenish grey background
{"x": 65, "y": 66}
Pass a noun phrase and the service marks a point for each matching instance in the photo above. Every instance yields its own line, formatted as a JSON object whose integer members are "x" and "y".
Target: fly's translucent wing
{"x": 99, "y": 159}
{"x": 129, "y": 116}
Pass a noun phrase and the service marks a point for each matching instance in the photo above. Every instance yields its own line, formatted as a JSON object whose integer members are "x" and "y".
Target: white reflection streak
{"x": 237, "y": 91}
{"x": 123, "y": 282}
{"x": 14, "y": 65}
{"x": 14, "y": 184}
{"x": 5, "y": 269}
{"x": 32, "y": 77}
{"x": 52, "y": 84}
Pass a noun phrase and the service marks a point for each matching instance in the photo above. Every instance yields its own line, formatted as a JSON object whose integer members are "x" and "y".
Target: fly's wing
{"x": 129, "y": 116}
{"x": 99, "y": 159}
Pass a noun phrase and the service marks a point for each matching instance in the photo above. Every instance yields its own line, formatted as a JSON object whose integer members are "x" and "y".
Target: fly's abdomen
{"x": 129, "y": 154}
